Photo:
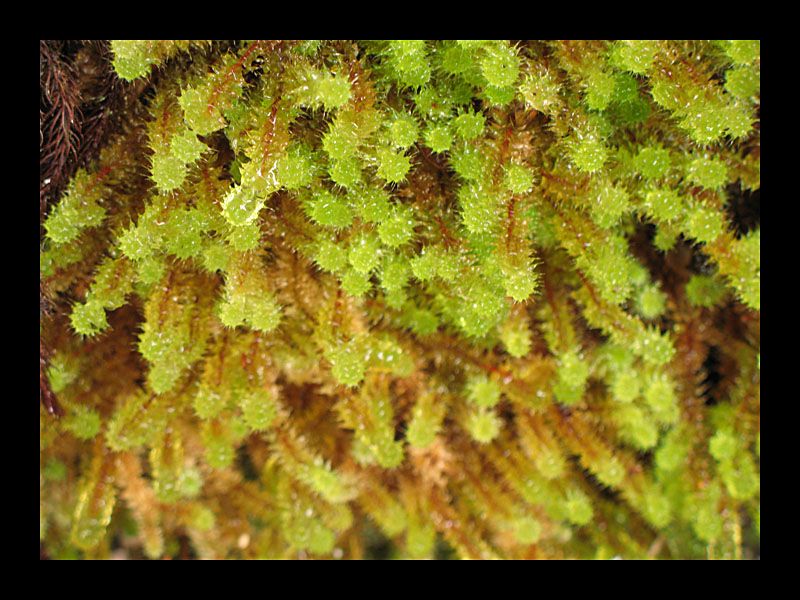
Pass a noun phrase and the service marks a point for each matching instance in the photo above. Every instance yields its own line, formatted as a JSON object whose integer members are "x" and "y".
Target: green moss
{"x": 491, "y": 298}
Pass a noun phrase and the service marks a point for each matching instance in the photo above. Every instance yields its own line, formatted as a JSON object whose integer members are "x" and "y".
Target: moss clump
{"x": 486, "y": 299}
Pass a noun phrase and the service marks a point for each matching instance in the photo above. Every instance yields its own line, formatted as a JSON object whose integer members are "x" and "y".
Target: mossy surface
{"x": 415, "y": 299}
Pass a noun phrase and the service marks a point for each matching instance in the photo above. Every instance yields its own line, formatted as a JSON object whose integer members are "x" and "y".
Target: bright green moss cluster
{"x": 483, "y": 299}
